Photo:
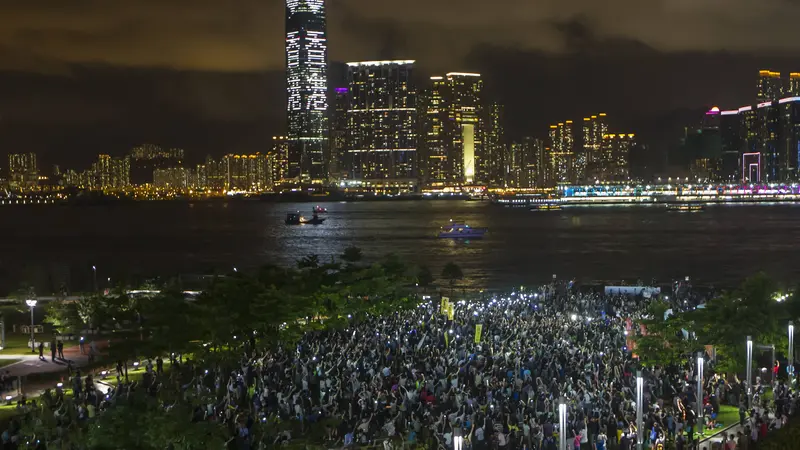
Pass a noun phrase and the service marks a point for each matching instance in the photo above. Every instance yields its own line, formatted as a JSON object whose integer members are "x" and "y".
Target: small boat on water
{"x": 685, "y": 207}
{"x": 460, "y": 230}
{"x": 545, "y": 207}
{"x": 320, "y": 210}
{"x": 297, "y": 219}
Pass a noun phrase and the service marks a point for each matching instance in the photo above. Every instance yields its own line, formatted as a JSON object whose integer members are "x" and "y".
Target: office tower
{"x": 215, "y": 174}
{"x": 615, "y": 151}
{"x": 588, "y": 159}
{"x": 794, "y": 84}
{"x": 307, "y": 89}
{"x": 768, "y": 123}
{"x": 279, "y": 160}
{"x": 432, "y": 142}
{"x": 527, "y": 164}
{"x": 246, "y": 173}
{"x": 381, "y": 139}
{"x": 22, "y": 171}
{"x": 494, "y": 164}
{"x": 770, "y": 86}
{"x": 341, "y": 101}
{"x": 561, "y": 153}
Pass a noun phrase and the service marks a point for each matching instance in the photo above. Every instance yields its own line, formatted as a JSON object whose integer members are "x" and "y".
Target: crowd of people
{"x": 491, "y": 374}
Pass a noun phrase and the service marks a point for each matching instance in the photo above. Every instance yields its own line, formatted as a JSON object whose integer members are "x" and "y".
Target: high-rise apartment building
{"x": 794, "y": 84}
{"x": 615, "y": 156}
{"x": 145, "y": 159}
{"x": 307, "y": 89}
{"x": 341, "y": 101}
{"x": 588, "y": 159}
{"x": 279, "y": 160}
{"x": 381, "y": 141}
{"x": 493, "y": 164}
{"x": 177, "y": 178}
{"x": 247, "y": 173}
{"x": 527, "y": 164}
{"x": 561, "y": 154}
{"x": 22, "y": 171}
{"x": 770, "y": 86}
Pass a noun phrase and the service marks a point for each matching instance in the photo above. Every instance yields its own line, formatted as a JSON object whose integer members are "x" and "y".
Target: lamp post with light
{"x": 700, "y": 366}
{"x": 562, "y": 424}
{"x": 749, "y": 366}
{"x": 94, "y": 277}
{"x": 639, "y": 409}
{"x": 790, "y": 362}
{"x": 32, "y": 304}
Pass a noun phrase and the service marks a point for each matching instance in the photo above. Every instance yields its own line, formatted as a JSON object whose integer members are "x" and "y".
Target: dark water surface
{"x": 44, "y": 245}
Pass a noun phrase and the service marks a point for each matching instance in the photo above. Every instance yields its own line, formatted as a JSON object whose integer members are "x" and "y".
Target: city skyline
{"x": 69, "y": 106}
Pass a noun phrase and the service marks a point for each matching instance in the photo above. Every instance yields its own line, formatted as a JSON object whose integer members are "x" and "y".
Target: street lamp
{"x": 562, "y": 424}
{"x": 790, "y": 363}
{"x": 639, "y": 407}
{"x": 94, "y": 277}
{"x": 749, "y": 371}
{"x": 32, "y": 304}
{"x": 700, "y": 364}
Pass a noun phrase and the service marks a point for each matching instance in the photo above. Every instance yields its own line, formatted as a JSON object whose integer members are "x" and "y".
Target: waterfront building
{"x": 341, "y": 101}
{"x": 381, "y": 139}
{"x": 615, "y": 152}
{"x": 561, "y": 153}
{"x": 247, "y": 173}
{"x": 307, "y": 89}
{"x": 730, "y": 145}
{"x": 174, "y": 178}
{"x": 527, "y": 164}
{"x": 146, "y": 158}
{"x": 703, "y": 148}
{"x": 279, "y": 160}
{"x": 770, "y": 86}
{"x": 588, "y": 160}
{"x": 454, "y": 129}
{"x": 23, "y": 173}
{"x": 493, "y": 165}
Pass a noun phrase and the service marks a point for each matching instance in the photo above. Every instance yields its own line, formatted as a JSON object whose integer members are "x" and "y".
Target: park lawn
{"x": 728, "y": 415}
{"x": 8, "y": 362}
{"x": 17, "y": 344}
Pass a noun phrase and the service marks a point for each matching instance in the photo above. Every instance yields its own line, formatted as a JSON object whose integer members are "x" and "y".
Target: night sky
{"x": 90, "y": 76}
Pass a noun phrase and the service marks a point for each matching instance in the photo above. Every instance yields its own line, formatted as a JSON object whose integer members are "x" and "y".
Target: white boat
{"x": 460, "y": 230}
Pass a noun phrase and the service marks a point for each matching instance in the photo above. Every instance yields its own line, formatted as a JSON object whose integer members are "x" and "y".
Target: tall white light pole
{"x": 32, "y": 304}
{"x": 790, "y": 362}
{"x": 639, "y": 408}
{"x": 749, "y": 372}
{"x": 562, "y": 424}
{"x": 700, "y": 364}
{"x": 94, "y": 278}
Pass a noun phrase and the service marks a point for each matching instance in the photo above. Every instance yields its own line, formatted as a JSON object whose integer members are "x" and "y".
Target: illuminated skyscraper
{"x": 561, "y": 154}
{"x": 454, "y": 128}
{"x": 770, "y": 85}
{"x": 145, "y": 158}
{"x": 794, "y": 84}
{"x": 588, "y": 158}
{"x": 616, "y": 151}
{"x": 279, "y": 160}
{"x": 381, "y": 137}
{"x": 494, "y": 163}
{"x": 247, "y": 173}
{"x": 22, "y": 170}
{"x": 307, "y": 87}
{"x": 527, "y": 164}
{"x": 341, "y": 102}
{"x": 433, "y": 149}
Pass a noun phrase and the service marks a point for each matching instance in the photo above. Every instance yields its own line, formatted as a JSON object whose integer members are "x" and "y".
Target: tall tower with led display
{"x": 307, "y": 87}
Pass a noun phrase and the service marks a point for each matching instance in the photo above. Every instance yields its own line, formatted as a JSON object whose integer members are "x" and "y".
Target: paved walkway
{"x": 708, "y": 443}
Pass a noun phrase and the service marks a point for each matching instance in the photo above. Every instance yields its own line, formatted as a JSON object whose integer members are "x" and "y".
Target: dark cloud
{"x": 246, "y": 35}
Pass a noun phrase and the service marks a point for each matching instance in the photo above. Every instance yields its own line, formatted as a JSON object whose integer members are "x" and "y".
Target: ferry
{"x": 685, "y": 207}
{"x": 297, "y": 219}
{"x": 460, "y": 230}
{"x": 320, "y": 210}
{"x": 545, "y": 207}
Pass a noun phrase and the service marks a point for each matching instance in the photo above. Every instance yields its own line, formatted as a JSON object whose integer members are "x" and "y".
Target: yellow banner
{"x": 445, "y": 302}
{"x": 478, "y": 331}
{"x": 447, "y": 338}
{"x": 451, "y": 311}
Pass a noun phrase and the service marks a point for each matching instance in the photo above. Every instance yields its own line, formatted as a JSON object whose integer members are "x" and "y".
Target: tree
{"x": 352, "y": 255}
{"x": 308, "y": 262}
{"x": 424, "y": 276}
{"x": 452, "y": 272}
